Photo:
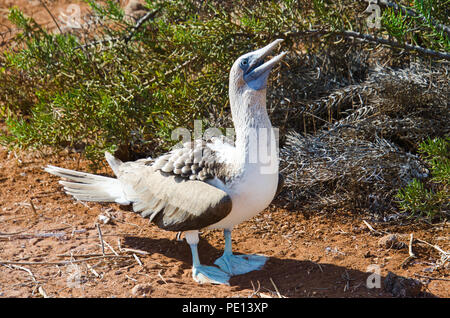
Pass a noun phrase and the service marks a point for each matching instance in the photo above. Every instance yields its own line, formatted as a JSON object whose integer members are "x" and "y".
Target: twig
{"x": 137, "y": 259}
{"x": 347, "y": 278}
{"x": 42, "y": 292}
{"x": 13, "y": 233}
{"x": 134, "y": 280}
{"x": 444, "y": 255}
{"x": 159, "y": 274}
{"x": 131, "y": 250}
{"x": 119, "y": 245}
{"x": 410, "y": 251}
{"x": 101, "y": 238}
{"x": 432, "y": 278}
{"x": 51, "y": 15}
{"x": 405, "y": 46}
{"x": 371, "y": 228}
{"x": 93, "y": 271}
{"x": 440, "y": 250}
{"x": 275, "y": 286}
{"x": 255, "y": 290}
{"x": 64, "y": 262}
{"x": 128, "y": 37}
{"x": 318, "y": 265}
{"x": 411, "y": 237}
{"x": 140, "y": 22}
{"x": 32, "y": 206}
{"x": 26, "y": 270}
{"x": 264, "y": 295}
{"x": 110, "y": 247}
{"x": 85, "y": 255}
{"x": 175, "y": 69}
{"x": 369, "y": 38}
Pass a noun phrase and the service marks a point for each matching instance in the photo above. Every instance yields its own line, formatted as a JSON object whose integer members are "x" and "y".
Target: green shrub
{"x": 421, "y": 26}
{"x": 430, "y": 199}
{"x": 132, "y": 87}
{"x": 126, "y": 93}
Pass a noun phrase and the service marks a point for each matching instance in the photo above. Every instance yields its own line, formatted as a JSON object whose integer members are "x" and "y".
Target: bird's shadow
{"x": 288, "y": 277}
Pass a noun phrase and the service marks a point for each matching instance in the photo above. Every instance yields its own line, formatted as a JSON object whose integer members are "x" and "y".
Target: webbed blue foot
{"x": 240, "y": 264}
{"x": 209, "y": 274}
{"x": 206, "y": 274}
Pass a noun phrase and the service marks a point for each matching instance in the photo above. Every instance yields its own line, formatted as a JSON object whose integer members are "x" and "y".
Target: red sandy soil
{"x": 311, "y": 254}
{"x": 50, "y": 246}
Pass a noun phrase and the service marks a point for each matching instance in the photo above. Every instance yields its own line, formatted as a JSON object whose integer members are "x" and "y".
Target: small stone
{"x": 389, "y": 241}
{"x": 142, "y": 290}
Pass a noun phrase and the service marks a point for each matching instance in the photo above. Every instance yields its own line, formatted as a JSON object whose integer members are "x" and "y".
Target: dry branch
{"x": 42, "y": 292}
{"x": 26, "y": 270}
{"x": 132, "y": 250}
{"x": 6, "y": 262}
{"x": 276, "y": 288}
{"x": 137, "y": 260}
{"x": 51, "y": 15}
{"x": 127, "y": 38}
{"x": 100, "y": 236}
{"x": 33, "y": 207}
{"x": 140, "y": 22}
{"x": 432, "y": 278}
{"x": 395, "y": 44}
{"x": 372, "y": 39}
{"x": 371, "y": 228}
{"x": 353, "y": 157}
{"x": 410, "y": 251}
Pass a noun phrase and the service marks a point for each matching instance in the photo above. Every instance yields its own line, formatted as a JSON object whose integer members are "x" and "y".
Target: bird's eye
{"x": 244, "y": 63}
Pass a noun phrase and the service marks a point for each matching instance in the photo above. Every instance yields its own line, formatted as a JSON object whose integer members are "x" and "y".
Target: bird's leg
{"x": 201, "y": 273}
{"x": 238, "y": 264}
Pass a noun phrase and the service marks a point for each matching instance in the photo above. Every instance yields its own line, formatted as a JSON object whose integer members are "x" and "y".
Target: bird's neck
{"x": 255, "y": 139}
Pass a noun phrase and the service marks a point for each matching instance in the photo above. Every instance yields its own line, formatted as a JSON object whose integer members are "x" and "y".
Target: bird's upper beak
{"x": 258, "y": 71}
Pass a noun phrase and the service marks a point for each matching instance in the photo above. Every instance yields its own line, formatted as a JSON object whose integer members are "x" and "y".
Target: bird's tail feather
{"x": 90, "y": 187}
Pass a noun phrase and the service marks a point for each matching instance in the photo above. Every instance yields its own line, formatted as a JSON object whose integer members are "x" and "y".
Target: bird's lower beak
{"x": 258, "y": 70}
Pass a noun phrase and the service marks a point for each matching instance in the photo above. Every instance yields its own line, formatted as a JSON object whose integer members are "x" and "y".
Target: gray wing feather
{"x": 194, "y": 161}
{"x": 172, "y": 202}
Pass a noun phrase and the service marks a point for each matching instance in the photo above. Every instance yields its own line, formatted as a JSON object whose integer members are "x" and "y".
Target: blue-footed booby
{"x": 204, "y": 184}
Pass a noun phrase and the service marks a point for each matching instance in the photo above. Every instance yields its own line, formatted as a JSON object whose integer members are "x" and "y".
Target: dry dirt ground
{"x": 50, "y": 244}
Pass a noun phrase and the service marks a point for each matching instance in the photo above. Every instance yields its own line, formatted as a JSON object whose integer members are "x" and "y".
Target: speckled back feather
{"x": 196, "y": 160}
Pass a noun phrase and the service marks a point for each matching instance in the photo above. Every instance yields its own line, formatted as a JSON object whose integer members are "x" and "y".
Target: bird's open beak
{"x": 258, "y": 71}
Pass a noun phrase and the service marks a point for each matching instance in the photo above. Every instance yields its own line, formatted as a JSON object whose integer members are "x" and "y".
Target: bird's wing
{"x": 197, "y": 160}
{"x": 174, "y": 203}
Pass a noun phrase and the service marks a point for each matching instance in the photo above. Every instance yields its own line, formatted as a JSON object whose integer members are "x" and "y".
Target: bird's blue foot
{"x": 240, "y": 264}
{"x": 209, "y": 274}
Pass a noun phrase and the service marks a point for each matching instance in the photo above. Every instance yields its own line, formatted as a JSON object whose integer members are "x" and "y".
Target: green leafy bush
{"x": 422, "y": 24}
{"x": 129, "y": 89}
{"x": 431, "y": 199}
{"x": 117, "y": 87}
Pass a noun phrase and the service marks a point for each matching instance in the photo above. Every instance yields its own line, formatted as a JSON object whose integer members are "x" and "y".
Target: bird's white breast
{"x": 251, "y": 192}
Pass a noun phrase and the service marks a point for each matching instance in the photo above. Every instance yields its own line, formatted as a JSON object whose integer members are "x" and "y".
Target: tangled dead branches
{"x": 362, "y": 149}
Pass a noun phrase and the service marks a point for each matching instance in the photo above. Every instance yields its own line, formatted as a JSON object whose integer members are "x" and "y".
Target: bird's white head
{"x": 247, "y": 92}
{"x": 249, "y": 72}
